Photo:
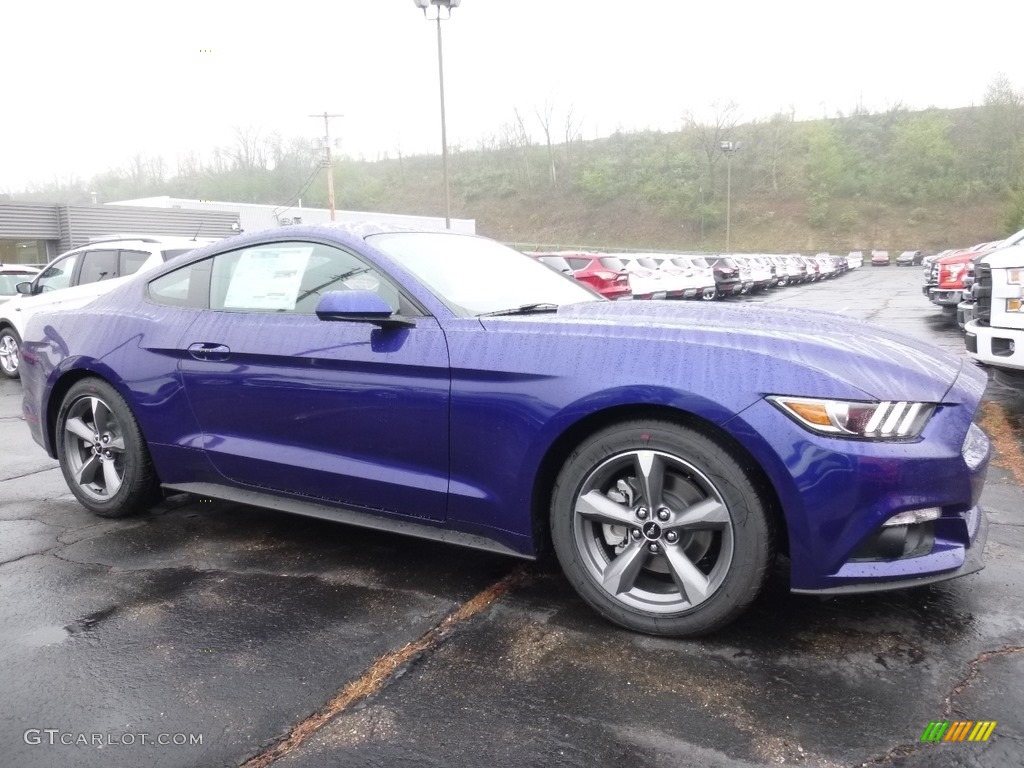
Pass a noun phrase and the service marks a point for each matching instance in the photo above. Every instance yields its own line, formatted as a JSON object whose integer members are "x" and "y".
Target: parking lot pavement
{"x": 292, "y": 642}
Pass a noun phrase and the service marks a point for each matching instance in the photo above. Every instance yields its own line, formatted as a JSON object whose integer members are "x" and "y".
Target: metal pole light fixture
{"x": 728, "y": 148}
{"x": 438, "y": 16}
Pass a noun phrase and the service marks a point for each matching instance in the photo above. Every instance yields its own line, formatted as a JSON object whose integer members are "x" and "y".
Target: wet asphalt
{"x": 283, "y": 641}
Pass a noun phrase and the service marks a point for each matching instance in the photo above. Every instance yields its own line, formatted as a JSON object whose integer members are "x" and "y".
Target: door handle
{"x": 207, "y": 351}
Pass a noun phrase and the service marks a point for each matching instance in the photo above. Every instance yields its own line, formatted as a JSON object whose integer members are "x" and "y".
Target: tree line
{"x": 834, "y": 178}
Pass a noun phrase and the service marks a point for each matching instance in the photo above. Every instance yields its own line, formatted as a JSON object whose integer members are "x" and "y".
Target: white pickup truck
{"x": 996, "y": 334}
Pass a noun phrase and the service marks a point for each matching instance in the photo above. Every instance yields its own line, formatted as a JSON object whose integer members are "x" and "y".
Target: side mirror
{"x": 360, "y": 306}
{"x": 25, "y": 289}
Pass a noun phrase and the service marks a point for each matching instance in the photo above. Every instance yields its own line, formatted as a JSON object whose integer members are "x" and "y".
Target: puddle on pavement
{"x": 44, "y": 636}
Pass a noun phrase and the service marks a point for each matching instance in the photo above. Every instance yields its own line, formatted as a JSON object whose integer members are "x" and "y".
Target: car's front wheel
{"x": 10, "y": 352}
{"x": 102, "y": 452}
{"x": 660, "y": 529}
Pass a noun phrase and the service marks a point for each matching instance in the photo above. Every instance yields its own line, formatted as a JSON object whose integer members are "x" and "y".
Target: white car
{"x": 645, "y": 282}
{"x": 702, "y": 276}
{"x": 75, "y": 278}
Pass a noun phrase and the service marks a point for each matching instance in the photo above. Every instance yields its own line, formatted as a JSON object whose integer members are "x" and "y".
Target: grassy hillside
{"x": 897, "y": 180}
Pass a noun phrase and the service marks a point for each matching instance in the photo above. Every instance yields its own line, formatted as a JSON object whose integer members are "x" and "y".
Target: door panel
{"x": 333, "y": 410}
{"x": 336, "y": 410}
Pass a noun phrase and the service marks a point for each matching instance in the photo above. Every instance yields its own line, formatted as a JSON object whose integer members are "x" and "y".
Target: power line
{"x": 300, "y": 193}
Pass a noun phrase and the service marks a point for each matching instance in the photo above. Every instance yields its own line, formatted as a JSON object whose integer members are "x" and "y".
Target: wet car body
{"x": 452, "y": 427}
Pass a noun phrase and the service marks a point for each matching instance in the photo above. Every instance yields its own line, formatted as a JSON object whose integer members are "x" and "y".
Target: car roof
{"x": 16, "y": 268}
{"x": 146, "y": 242}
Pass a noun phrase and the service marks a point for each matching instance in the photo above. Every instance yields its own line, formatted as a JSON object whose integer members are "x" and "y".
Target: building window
{"x": 23, "y": 252}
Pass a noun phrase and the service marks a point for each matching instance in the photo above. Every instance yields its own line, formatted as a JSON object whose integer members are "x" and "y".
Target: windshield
{"x": 556, "y": 262}
{"x": 611, "y": 262}
{"x": 475, "y": 276}
{"x": 9, "y": 281}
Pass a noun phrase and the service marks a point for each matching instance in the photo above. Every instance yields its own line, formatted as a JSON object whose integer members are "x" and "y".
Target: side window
{"x": 578, "y": 263}
{"x": 131, "y": 262}
{"x": 96, "y": 266}
{"x": 185, "y": 287}
{"x": 291, "y": 277}
{"x": 58, "y": 275}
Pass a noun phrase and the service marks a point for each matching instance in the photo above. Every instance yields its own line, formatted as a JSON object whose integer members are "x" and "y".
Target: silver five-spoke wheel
{"x": 661, "y": 527}
{"x": 94, "y": 448}
{"x": 654, "y": 531}
{"x": 101, "y": 450}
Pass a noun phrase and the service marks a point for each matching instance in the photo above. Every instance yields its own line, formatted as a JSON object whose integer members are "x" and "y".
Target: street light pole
{"x": 449, "y": 5}
{"x": 728, "y": 148}
{"x": 444, "y": 127}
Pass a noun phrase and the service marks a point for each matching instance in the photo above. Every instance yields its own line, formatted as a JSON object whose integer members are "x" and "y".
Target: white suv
{"x": 75, "y": 278}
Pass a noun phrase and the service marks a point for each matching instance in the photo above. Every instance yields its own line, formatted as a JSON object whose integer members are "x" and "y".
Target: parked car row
{"x": 984, "y": 286}
{"x": 945, "y": 274}
{"x": 693, "y": 276}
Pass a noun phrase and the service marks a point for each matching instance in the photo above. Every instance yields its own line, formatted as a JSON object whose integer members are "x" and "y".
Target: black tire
{"x": 729, "y": 541}
{"x": 10, "y": 353}
{"x": 92, "y": 464}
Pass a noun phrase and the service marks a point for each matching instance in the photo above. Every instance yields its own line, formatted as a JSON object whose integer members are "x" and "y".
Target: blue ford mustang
{"x": 445, "y": 386}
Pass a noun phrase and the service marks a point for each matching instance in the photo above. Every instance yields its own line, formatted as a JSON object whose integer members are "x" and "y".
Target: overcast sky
{"x": 88, "y": 84}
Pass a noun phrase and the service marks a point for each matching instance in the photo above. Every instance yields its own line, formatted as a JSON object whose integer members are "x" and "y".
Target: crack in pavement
{"x": 1006, "y": 650}
{"x": 29, "y": 474}
{"x": 385, "y": 668}
{"x": 28, "y": 554}
{"x": 947, "y": 709}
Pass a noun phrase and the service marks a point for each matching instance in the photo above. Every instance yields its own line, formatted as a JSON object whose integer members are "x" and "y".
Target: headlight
{"x": 887, "y": 420}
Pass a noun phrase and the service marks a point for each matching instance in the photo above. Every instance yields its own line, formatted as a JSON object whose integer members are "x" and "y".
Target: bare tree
{"x": 249, "y": 151}
{"x": 710, "y": 135}
{"x": 189, "y": 164}
{"x": 573, "y": 127}
{"x": 545, "y": 116}
{"x": 516, "y": 138}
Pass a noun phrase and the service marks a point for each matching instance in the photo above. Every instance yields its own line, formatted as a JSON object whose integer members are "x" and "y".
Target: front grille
{"x": 983, "y": 293}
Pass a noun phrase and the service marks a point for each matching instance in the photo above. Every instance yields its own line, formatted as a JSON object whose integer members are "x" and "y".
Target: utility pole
{"x": 330, "y": 164}
{"x": 728, "y": 149}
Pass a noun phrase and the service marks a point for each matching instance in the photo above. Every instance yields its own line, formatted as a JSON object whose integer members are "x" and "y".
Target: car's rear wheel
{"x": 660, "y": 529}
{"x": 10, "y": 352}
{"x": 102, "y": 452}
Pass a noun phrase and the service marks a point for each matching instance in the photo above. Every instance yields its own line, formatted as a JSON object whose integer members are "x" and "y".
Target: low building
{"x": 33, "y": 233}
{"x": 254, "y": 217}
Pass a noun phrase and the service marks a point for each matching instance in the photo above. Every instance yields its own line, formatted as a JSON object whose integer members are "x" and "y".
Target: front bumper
{"x": 973, "y": 561}
{"x": 998, "y": 347}
{"x": 964, "y": 313}
{"x": 945, "y": 297}
{"x": 837, "y": 495}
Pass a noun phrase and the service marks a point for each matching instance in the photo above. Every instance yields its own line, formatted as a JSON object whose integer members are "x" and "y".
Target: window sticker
{"x": 268, "y": 278}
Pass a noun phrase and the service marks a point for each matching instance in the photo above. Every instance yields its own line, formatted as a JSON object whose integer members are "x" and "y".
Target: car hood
{"x": 879, "y": 363}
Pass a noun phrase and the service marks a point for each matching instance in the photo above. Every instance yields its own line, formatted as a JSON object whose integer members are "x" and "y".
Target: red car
{"x": 948, "y": 273}
{"x": 605, "y": 274}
